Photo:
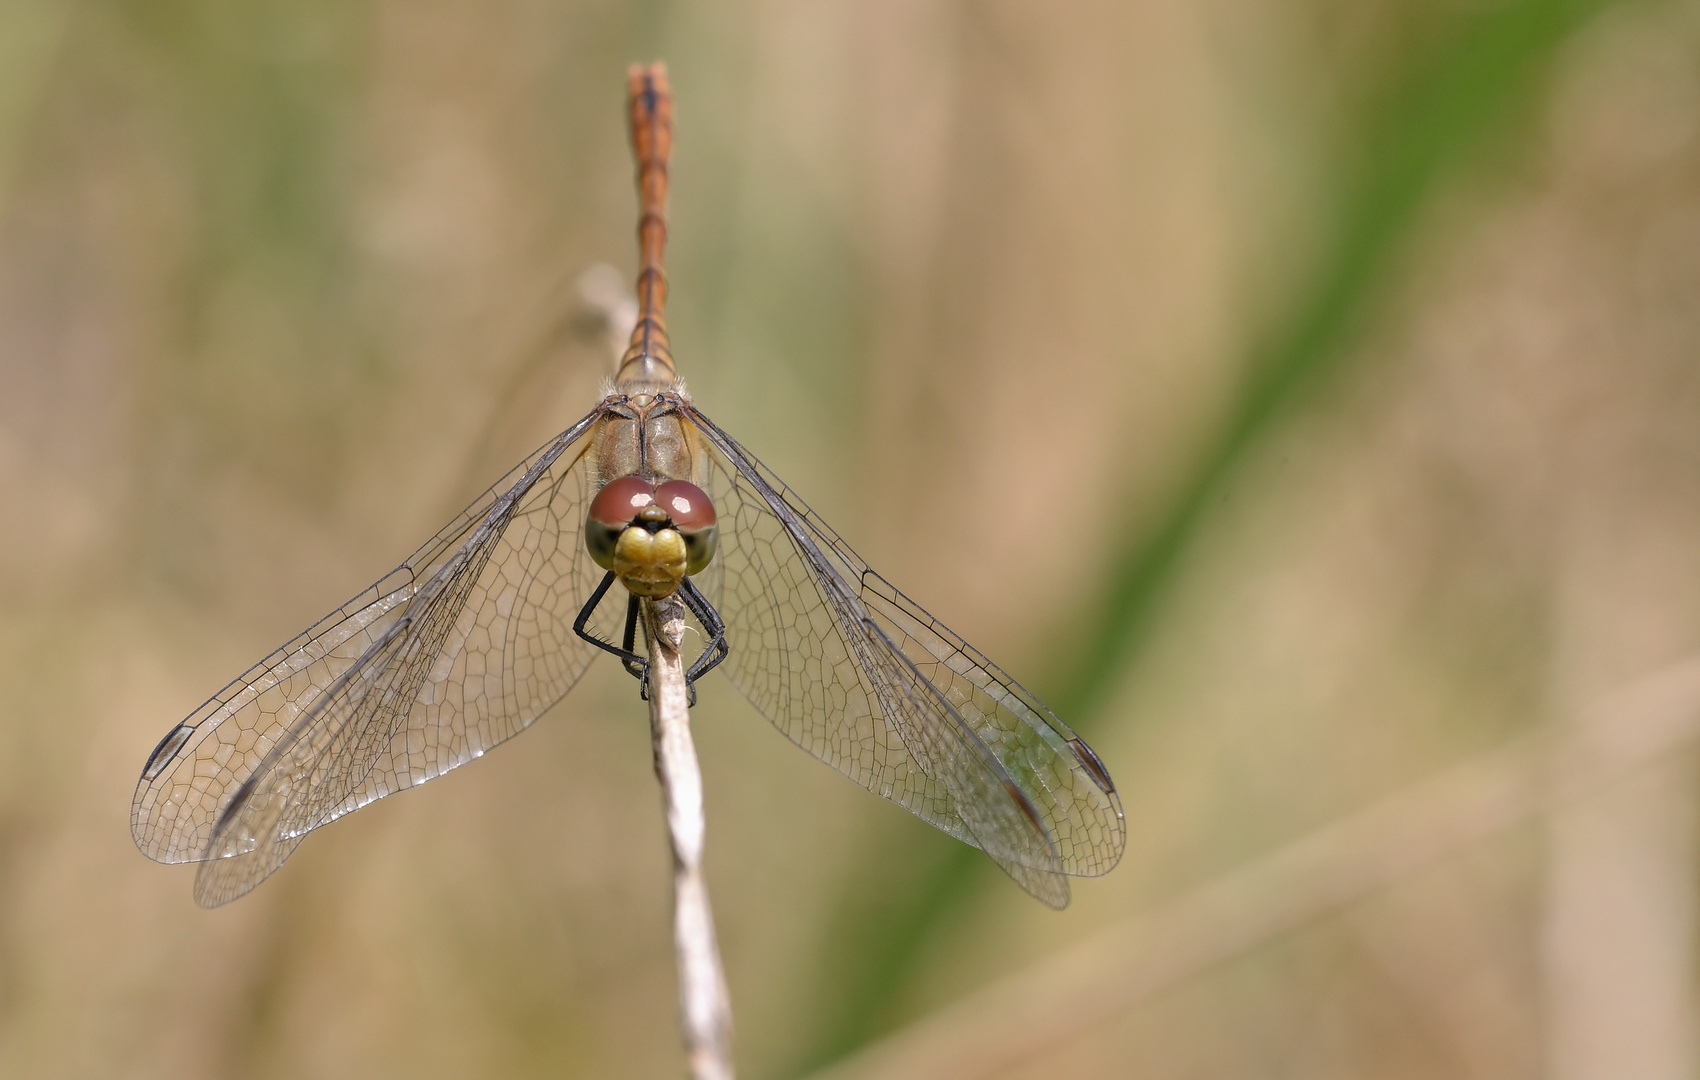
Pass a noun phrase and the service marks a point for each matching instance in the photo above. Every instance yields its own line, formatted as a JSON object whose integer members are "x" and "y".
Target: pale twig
{"x": 704, "y": 1004}
{"x": 607, "y": 309}
{"x": 1052, "y": 1002}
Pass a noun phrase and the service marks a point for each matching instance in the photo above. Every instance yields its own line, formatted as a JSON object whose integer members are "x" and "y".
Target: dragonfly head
{"x": 651, "y": 537}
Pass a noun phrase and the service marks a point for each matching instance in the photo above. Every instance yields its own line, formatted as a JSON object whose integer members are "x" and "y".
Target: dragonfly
{"x": 494, "y": 619}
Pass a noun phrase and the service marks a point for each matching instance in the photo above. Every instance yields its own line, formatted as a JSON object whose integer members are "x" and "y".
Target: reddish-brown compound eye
{"x": 621, "y": 500}
{"x": 611, "y": 511}
{"x": 686, "y": 504}
{"x": 692, "y": 513}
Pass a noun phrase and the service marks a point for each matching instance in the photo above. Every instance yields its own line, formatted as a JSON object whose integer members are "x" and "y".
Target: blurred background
{"x": 1365, "y": 337}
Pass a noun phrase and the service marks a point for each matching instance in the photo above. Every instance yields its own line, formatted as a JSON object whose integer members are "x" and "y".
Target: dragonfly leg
{"x": 639, "y": 668}
{"x": 637, "y": 665}
{"x": 717, "y": 648}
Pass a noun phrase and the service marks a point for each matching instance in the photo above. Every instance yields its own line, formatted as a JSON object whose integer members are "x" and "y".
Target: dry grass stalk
{"x": 704, "y": 1004}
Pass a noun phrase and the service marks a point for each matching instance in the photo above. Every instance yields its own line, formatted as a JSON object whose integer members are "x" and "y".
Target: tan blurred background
{"x": 1365, "y": 335}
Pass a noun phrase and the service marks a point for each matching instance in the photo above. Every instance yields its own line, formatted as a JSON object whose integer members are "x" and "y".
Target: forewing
{"x": 1060, "y": 775}
{"x": 867, "y": 681}
{"x": 462, "y": 646}
{"x": 801, "y": 662}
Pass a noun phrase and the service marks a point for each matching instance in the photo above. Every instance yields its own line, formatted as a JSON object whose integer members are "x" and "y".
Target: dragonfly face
{"x": 651, "y": 537}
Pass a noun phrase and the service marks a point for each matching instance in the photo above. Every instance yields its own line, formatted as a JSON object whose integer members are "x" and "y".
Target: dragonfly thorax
{"x": 647, "y": 435}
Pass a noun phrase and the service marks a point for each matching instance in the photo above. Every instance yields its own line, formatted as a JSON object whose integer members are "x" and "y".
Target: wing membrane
{"x": 863, "y": 678}
{"x": 459, "y": 648}
{"x": 468, "y": 641}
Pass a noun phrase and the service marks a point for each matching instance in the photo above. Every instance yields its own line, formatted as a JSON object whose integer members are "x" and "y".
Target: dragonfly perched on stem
{"x": 493, "y": 620}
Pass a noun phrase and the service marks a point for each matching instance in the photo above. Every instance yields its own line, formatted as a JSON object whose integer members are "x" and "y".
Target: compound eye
{"x": 687, "y": 504}
{"x": 692, "y": 513}
{"x": 611, "y": 511}
{"x": 621, "y": 500}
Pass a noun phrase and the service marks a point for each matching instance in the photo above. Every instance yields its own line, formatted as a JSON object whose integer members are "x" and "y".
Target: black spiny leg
{"x": 637, "y": 665}
{"x": 716, "y": 649}
{"x": 640, "y": 669}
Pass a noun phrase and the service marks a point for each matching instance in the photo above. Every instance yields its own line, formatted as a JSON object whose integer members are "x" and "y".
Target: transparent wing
{"x": 461, "y": 647}
{"x": 861, "y": 677}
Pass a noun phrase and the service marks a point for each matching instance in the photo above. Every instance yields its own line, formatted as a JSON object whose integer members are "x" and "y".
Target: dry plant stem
{"x": 704, "y": 1005}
